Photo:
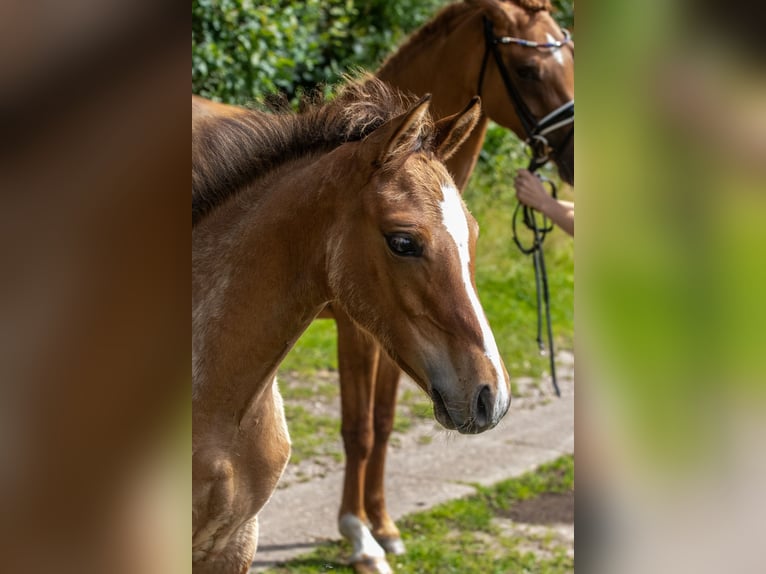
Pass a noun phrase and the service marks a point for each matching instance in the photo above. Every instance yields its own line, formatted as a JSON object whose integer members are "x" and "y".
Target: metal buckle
{"x": 538, "y": 148}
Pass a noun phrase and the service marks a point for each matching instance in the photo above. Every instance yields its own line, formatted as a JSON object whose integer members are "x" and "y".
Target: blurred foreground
{"x": 671, "y": 154}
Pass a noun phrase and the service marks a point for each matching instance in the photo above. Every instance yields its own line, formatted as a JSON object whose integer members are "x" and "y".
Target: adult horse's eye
{"x": 528, "y": 72}
{"x": 404, "y": 245}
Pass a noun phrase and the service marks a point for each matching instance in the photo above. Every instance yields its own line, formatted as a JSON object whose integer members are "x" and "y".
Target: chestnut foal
{"x": 348, "y": 203}
{"x": 449, "y": 57}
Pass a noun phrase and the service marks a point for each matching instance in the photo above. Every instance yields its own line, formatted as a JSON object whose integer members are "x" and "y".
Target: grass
{"x": 312, "y": 435}
{"x": 316, "y": 349}
{"x": 471, "y": 535}
{"x": 505, "y": 276}
{"x": 413, "y": 405}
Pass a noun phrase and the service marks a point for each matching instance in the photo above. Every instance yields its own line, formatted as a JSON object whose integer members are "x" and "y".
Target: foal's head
{"x": 543, "y": 75}
{"x": 401, "y": 264}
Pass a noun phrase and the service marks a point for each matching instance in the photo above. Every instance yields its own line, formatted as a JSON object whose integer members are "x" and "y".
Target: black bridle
{"x": 535, "y": 130}
{"x": 541, "y": 151}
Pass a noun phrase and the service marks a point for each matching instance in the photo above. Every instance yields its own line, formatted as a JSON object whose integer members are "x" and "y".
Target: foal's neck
{"x": 259, "y": 277}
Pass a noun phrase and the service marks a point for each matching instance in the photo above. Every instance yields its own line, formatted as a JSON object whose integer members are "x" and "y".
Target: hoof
{"x": 393, "y": 546}
{"x": 369, "y": 565}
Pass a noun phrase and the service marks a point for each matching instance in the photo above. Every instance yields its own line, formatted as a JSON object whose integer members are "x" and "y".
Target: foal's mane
{"x": 443, "y": 23}
{"x": 229, "y": 151}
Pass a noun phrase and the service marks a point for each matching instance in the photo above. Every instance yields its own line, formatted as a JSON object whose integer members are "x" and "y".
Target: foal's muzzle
{"x": 479, "y": 418}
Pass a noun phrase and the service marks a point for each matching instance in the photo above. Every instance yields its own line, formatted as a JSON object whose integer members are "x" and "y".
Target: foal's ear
{"x": 453, "y": 130}
{"x": 404, "y": 134}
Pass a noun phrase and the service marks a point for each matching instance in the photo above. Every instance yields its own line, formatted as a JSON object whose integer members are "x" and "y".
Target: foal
{"x": 444, "y": 57}
{"x": 348, "y": 203}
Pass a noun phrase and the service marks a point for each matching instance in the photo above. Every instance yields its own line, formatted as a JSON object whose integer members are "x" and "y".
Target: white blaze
{"x": 558, "y": 53}
{"x": 453, "y": 218}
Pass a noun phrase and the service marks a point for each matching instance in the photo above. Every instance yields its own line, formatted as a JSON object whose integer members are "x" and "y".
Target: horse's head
{"x": 537, "y": 60}
{"x": 401, "y": 265}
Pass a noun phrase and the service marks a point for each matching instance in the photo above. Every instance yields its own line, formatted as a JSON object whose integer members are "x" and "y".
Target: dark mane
{"x": 443, "y": 23}
{"x": 233, "y": 148}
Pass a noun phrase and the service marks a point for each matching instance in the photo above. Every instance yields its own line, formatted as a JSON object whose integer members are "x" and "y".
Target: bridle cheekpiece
{"x": 535, "y": 130}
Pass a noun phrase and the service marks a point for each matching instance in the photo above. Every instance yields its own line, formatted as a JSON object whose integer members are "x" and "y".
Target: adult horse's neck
{"x": 259, "y": 277}
{"x": 444, "y": 59}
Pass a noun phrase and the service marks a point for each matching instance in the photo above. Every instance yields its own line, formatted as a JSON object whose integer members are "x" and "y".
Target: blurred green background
{"x": 671, "y": 168}
{"x": 670, "y": 224}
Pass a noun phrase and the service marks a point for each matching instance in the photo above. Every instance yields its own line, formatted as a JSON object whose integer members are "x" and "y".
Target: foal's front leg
{"x": 357, "y": 363}
{"x": 235, "y": 470}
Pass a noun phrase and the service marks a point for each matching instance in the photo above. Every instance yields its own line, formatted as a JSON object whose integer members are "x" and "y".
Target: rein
{"x": 540, "y": 149}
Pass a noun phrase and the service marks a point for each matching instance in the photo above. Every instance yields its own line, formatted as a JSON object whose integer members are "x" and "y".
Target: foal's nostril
{"x": 483, "y": 410}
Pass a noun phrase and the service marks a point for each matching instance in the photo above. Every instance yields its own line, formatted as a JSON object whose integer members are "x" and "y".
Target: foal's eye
{"x": 528, "y": 72}
{"x": 404, "y": 245}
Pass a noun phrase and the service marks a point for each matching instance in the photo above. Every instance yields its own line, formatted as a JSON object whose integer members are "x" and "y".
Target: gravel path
{"x": 422, "y": 473}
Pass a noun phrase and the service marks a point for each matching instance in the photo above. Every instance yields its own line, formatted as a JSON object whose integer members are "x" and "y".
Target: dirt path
{"x": 423, "y": 473}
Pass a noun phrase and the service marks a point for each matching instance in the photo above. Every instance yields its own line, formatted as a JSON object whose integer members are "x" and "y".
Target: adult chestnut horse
{"x": 348, "y": 203}
{"x": 503, "y": 51}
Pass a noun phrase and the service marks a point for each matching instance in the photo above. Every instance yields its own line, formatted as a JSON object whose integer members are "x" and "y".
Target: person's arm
{"x": 530, "y": 191}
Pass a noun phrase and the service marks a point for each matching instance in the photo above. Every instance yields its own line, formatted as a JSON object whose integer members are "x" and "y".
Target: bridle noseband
{"x": 537, "y": 142}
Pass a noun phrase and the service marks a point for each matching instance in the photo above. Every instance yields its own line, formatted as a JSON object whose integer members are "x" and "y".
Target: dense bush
{"x": 563, "y": 11}
{"x": 242, "y": 49}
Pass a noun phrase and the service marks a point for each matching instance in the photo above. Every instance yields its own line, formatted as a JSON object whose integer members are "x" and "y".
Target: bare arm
{"x": 530, "y": 191}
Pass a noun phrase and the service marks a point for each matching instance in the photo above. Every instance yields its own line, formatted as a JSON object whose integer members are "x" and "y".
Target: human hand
{"x": 530, "y": 190}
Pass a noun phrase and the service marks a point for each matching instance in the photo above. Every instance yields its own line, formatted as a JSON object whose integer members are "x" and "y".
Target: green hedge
{"x": 242, "y": 50}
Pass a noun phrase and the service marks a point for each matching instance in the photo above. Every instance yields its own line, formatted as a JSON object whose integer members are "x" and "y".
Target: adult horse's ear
{"x": 453, "y": 130}
{"x": 404, "y": 134}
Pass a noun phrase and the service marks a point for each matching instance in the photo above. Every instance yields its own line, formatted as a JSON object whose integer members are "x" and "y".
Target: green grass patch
{"x": 402, "y": 422}
{"x": 312, "y": 435}
{"x": 416, "y": 402}
{"x": 317, "y": 349}
{"x": 552, "y": 477}
{"x": 309, "y": 387}
{"x": 505, "y": 276}
{"x": 461, "y": 537}
{"x": 413, "y": 405}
